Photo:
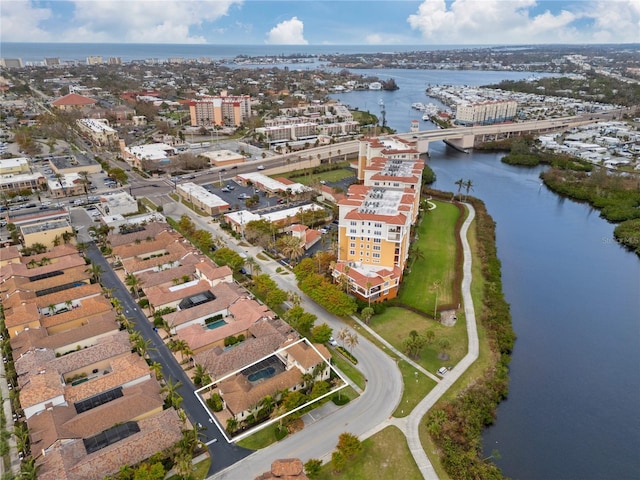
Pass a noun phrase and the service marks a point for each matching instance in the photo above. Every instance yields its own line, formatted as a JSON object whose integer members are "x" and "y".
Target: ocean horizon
{"x": 33, "y": 53}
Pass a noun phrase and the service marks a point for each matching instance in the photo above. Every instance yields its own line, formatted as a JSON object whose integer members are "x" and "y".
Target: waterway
{"x": 572, "y": 411}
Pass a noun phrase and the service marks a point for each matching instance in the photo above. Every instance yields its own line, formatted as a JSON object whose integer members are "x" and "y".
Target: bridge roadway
{"x": 312, "y": 156}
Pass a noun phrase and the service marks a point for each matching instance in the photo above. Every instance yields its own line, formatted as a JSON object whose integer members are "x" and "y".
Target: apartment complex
{"x": 486, "y": 113}
{"x": 229, "y": 111}
{"x": 375, "y": 218}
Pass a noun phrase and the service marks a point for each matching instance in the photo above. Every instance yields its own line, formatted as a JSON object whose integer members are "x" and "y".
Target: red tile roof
{"x": 73, "y": 99}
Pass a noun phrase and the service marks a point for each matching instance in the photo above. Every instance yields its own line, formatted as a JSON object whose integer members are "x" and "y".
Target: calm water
{"x": 572, "y": 412}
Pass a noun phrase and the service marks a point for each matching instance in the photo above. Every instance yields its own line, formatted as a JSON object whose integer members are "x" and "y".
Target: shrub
{"x": 340, "y": 399}
{"x": 143, "y": 302}
{"x": 215, "y": 402}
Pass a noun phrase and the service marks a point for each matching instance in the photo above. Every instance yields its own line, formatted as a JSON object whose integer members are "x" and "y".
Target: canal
{"x": 572, "y": 411}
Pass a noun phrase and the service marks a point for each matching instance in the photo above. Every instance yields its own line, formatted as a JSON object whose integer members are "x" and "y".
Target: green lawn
{"x": 385, "y": 456}
{"x": 415, "y": 389}
{"x": 437, "y": 243}
{"x": 395, "y": 324}
{"x": 329, "y": 176}
{"x": 260, "y": 439}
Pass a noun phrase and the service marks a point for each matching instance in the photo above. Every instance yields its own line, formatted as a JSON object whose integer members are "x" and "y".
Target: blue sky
{"x": 318, "y": 22}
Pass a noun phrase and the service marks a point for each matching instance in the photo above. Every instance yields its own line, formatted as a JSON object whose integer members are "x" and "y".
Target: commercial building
{"x": 14, "y": 166}
{"x": 73, "y": 101}
{"x": 47, "y": 232}
{"x": 202, "y": 199}
{"x": 148, "y": 157}
{"x": 119, "y": 203}
{"x": 223, "y": 158}
{"x": 23, "y": 181}
{"x": 97, "y": 131}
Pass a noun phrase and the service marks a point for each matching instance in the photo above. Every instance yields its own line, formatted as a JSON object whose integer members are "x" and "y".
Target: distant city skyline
{"x": 320, "y": 22}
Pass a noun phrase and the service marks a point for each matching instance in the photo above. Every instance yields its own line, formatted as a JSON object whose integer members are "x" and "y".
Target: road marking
{"x": 211, "y": 441}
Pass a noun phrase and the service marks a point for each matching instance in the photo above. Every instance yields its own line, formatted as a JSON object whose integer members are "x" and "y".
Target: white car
{"x": 260, "y": 167}
{"x": 332, "y": 342}
{"x": 442, "y": 371}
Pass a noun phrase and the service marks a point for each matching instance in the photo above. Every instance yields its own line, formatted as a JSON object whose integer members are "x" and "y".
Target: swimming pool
{"x": 264, "y": 373}
{"x": 216, "y": 324}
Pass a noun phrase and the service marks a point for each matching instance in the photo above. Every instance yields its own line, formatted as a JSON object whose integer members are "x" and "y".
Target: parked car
{"x": 332, "y": 342}
{"x": 442, "y": 371}
{"x": 225, "y": 189}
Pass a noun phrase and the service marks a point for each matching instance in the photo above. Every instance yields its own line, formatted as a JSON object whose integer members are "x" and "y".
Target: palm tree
{"x": 52, "y": 308}
{"x": 108, "y": 292}
{"x": 29, "y": 469}
{"x": 84, "y": 179}
{"x": 342, "y": 334}
{"x": 96, "y": 271}
{"x": 117, "y": 305}
{"x": 156, "y": 368}
{"x": 291, "y": 247}
{"x": 134, "y": 283}
{"x": 366, "y": 314}
{"x": 201, "y": 376}
{"x": 59, "y": 177}
{"x": 460, "y": 184}
{"x": 173, "y": 398}
{"x": 252, "y": 264}
{"x": 468, "y": 185}
{"x": 232, "y": 425}
{"x": 351, "y": 341}
{"x": 267, "y": 404}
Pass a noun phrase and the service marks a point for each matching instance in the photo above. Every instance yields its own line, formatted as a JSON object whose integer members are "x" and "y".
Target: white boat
{"x": 375, "y": 86}
{"x": 417, "y": 106}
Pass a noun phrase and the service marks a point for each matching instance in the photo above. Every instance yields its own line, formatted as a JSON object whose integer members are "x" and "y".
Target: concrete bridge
{"x": 464, "y": 138}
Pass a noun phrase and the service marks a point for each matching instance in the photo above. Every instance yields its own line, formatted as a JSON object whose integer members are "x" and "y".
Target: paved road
{"x": 360, "y": 417}
{"x": 222, "y": 453}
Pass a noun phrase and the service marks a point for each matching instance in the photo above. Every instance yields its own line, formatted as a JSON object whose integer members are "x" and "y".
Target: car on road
{"x": 243, "y": 196}
{"x": 234, "y": 167}
{"x": 260, "y": 167}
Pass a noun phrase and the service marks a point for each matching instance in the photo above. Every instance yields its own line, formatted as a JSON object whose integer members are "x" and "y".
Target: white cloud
{"x": 113, "y": 21}
{"x": 20, "y": 22}
{"x": 288, "y": 32}
{"x": 514, "y": 21}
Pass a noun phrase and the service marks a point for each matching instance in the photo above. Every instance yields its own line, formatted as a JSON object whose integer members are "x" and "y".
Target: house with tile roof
{"x": 94, "y": 457}
{"x": 286, "y": 369}
{"x": 215, "y": 303}
{"x": 242, "y": 314}
{"x": 266, "y": 336}
{"x": 89, "y": 333}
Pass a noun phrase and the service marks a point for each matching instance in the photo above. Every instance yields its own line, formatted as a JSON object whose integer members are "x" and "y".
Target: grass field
{"x": 437, "y": 244}
{"x": 386, "y": 456}
{"x": 415, "y": 389}
{"x": 396, "y": 323}
{"x": 329, "y": 176}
